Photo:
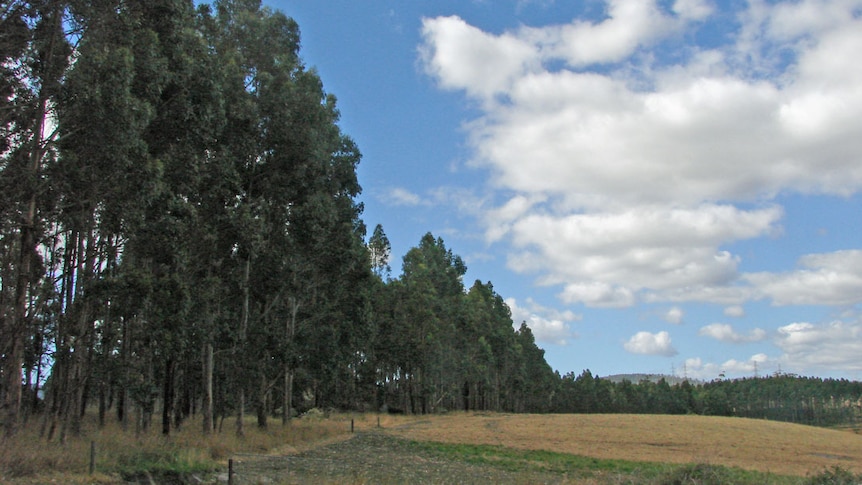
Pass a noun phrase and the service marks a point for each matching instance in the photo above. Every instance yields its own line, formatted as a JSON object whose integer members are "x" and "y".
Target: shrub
{"x": 834, "y": 476}
{"x": 697, "y": 474}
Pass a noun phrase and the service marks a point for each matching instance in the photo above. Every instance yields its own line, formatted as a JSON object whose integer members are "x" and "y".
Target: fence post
{"x": 92, "y": 457}
{"x": 351, "y": 425}
{"x": 230, "y": 471}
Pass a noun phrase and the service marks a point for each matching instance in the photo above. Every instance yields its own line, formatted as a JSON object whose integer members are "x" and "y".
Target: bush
{"x": 697, "y": 474}
{"x": 834, "y": 476}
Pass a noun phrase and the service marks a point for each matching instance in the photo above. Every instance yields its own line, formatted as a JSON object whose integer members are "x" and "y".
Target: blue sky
{"x": 654, "y": 186}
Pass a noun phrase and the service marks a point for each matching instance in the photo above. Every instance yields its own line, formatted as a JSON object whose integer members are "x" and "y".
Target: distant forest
{"x": 780, "y": 397}
{"x": 180, "y": 240}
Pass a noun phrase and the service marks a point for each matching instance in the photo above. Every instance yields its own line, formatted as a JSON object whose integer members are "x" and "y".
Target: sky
{"x": 654, "y": 186}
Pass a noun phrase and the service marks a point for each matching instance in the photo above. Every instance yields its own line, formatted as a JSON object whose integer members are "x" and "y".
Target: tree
{"x": 35, "y": 55}
{"x": 539, "y": 378}
{"x": 380, "y": 250}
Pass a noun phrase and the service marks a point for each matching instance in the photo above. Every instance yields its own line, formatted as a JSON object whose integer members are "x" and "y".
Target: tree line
{"x": 779, "y": 397}
{"x": 180, "y": 236}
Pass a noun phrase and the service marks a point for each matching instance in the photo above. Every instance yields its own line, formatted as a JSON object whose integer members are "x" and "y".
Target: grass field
{"x": 632, "y": 448}
{"x": 749, "y": 444}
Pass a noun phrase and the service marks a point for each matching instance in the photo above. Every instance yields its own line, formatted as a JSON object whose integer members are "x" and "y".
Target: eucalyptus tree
{"x": 34, "y": 54}
{"x": 300, "y": 237}
{"x": 429, "y": 302}
{"x": 490, "y": 354}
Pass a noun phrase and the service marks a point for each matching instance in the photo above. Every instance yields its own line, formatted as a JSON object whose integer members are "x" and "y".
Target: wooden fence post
{"x": 92, "y": 457}
{"x": 230, "y": 471}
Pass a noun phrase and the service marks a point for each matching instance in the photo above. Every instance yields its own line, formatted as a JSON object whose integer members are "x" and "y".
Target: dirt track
{"x": 372, "y": 457}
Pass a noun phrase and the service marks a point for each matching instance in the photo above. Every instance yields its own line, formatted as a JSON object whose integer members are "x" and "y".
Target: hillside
{"x": 761, "y": 445}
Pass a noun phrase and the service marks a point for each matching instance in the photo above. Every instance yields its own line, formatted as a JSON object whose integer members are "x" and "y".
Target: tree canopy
{"x": 180, "y": 234}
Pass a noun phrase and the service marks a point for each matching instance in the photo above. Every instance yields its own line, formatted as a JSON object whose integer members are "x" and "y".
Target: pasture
{"x": 454, "y": 448}
{"x": 760, "y": 445}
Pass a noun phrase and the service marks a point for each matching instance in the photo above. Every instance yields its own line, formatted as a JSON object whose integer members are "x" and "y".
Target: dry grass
{"x": 29, "y": 459}
{"x": 765, "y": 446}
{"x": 749, "y": 444}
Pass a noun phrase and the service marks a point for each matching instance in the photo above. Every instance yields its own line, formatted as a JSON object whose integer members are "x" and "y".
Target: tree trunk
{"x": 168, "y": 397}
{"x": 290, "y": 332}
{"x": 243, "y": 329}
{"x": 262, "y": 398}
{"x": 207, "y": 407}
{"x": 288, "y": 395}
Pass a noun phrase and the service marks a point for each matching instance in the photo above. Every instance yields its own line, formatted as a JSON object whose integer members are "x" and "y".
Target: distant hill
{"x": 635, "y": 378}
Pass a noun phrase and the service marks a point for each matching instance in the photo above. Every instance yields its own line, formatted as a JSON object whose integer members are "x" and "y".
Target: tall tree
{"x": 35, "y": 55}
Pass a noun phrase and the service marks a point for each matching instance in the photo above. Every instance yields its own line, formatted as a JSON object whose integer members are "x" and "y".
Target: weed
{"x": 834, "y": 476}
{"x": 27, "y": 456}
{"x": 698, "y": 474}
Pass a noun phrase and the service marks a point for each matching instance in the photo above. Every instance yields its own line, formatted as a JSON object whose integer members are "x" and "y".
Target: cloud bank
{"x": 629, "y": 164}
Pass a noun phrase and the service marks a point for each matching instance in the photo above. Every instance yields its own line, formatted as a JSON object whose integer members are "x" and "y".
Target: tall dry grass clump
{"x": 119, "y": 452}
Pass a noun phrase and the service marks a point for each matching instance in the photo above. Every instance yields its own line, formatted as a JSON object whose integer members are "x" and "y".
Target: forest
{"x": 779, "y": 397}
{"x": 181, "y": 242}
{"x": 180, "y": 236}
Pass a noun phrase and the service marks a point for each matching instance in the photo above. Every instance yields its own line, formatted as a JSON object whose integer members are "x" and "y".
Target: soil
{"x": 372, "y": 457}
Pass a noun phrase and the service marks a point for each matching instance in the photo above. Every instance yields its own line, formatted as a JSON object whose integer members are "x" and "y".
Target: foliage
{"x": 122, "y": 454}
{"x": 185, "y": 239}
{"x": 834, "y": 476}
{"x": 781, "y": 397}
{"x": 699, "y": 474}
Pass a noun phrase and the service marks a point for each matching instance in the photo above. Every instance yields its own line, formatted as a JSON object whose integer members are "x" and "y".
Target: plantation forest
{"x": 181, "y": 242}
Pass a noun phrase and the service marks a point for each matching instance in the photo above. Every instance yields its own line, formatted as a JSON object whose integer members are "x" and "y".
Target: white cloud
{"x": 629, "y": 25}
{"x": 692, "y": 9}
{"x": 604, "y": 259}
{"x": 598, "y": 294}
{"x": 756, "y": 364}
{"x": 832, "y": 346}
{"x": 735, "y": 311}
{"x": 726, "y": 333}
{"x": 401, "y": 196}
{"x": 632, "y": 173}
{"x": 825, "y": 279}
{"x": 674, "y": 315}
{"x": 548, "y": 325}
{"x": 461, "y": 56}
{"x": 651, "y": 344}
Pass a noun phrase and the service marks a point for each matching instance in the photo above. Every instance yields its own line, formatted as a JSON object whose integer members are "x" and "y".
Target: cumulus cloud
{"x": 696, "y": 368}
{"x": 605, "y": 258}
{"x": 828, "y": 346}
{"x": 632, "y": 173}
{"x": 674, "y": 315}
{"x": 647, "y": 343}
{"x": 735, "y": 311}
{"x": 629, "y": 25}
{"x": 826, "y": 279}
{"x": 548, "y": 325}
{"x": 726, "y": 333}
{"x": 461, "y": 56}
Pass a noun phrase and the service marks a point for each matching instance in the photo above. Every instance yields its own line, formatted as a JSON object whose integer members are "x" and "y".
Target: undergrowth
{"x": 126, "y": 453}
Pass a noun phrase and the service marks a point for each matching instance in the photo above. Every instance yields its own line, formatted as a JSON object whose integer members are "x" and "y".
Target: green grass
{"x": 538, "y": 461}
{"x": 170, "y": 460}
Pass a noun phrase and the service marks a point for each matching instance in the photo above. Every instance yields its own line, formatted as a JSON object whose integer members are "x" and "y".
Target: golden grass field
{"x": 767, "y": 446}
{"x": 778, "y": 448}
